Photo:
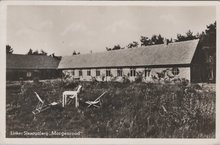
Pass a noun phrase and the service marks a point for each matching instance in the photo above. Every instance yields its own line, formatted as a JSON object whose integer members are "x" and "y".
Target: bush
{"x": 184, "y": 82}
{"x": 36, "y": 80}
{"x": 94, "y": 80}
{"x": 125, "y": 79}
{"x": 139, "y": 77}
{"x": 113, "y": 78}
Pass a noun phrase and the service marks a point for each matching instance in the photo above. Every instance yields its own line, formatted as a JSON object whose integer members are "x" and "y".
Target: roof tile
{"x": 173, "y": 53}
{"x": 17, "y": 61}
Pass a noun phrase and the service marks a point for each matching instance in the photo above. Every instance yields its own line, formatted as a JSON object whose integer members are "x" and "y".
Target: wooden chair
{"x": 96, "y": 102}
{"x": 41, "y": 106}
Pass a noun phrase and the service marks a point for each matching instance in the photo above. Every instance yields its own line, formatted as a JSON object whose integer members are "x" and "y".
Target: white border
{"x": 114, "y": 3}
{"x": 3, "y": 8}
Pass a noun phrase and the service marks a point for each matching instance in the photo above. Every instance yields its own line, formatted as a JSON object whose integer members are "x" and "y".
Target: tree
{"x": 208, "y": 40}
{"x": 157, "y": 39}
{"x": 189, "y": 36}
{"x": 76, "y": 53}
{"x": 180, "y": 38}
{"x": 209, "y": 37}
{"x": 116, "y": 47}
{"x": 160, "y": 39}
{"x": 30, "y": 52}
{"x": 56, "y": 57}
{"x": 133, "y": 44}
{"x": 35, "y": 52}
{"x": 145, "y": 41}
{"x": 9, "y": 49}
{"x": 43, "y": 52}
{"x": 108, "y": 48}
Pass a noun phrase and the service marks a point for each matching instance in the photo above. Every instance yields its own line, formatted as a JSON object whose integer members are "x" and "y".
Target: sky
{"x": 63, "y": 29}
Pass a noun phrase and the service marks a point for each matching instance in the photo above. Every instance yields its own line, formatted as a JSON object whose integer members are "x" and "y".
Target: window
{"x": 28, "y": 74}
{"x": 88, "y": 72}
{"x": 119, "y": 72}
{"x": 80, "y": 73}
{"x": 97, "y": 72}
{"x": 133, "y": 72}
{"x": 73, "y": 72}
{"x": 108, "y": 72}
{"x": 147, "y": 72}
{"x": 175, "y": 71}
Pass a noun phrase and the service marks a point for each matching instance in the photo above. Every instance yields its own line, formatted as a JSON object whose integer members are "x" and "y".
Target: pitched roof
{"x": 171, "y": 54}
{"x": 17, "y": 61}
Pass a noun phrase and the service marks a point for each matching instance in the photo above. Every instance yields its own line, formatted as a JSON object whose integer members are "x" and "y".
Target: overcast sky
{"x": 62, "y": 29}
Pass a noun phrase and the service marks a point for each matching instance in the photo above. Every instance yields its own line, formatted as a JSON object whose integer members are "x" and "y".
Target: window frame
{"x": 108, "y": 72}
{"x": 119, "y": 72}
{"x": 97, "y": 72}
{"x": 89, "y": 72}
{"x": 147, "y": 72}
{"x": 29, "y": 74}
{"x": 132, "y": 72}
{"x": 175, "y": 71}
{"x": 80, "y": 73}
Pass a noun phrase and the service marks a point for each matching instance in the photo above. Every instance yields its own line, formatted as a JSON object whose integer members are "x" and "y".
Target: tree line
{"x": 207, "y": 38}
{"x": 10, "y": 50}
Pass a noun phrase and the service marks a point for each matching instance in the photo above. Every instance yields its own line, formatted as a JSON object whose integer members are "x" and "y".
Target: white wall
{"x": 184, "y": 72}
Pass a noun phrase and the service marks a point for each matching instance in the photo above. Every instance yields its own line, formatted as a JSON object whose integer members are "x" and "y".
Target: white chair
{"x": 71, "y": 95}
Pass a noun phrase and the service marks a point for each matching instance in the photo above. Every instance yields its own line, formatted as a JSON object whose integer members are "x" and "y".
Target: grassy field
{"x": 128, "y": 110}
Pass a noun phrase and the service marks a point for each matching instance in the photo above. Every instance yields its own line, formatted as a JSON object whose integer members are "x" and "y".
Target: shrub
{"x": 125, "y": 79}
{"x": 103, "y": 77}
{"x": 36, "y": 80}
{"x": 139, "y": 77}
{"x": 114, "y": 78}
{"x": 94, "y": 80}
{"x": 184, "y": 82}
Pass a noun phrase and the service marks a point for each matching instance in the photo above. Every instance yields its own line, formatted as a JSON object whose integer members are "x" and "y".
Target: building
{"x": 186, "y": 59}
{"x": 28, "y": 67}
{"x": 165, "y": 61}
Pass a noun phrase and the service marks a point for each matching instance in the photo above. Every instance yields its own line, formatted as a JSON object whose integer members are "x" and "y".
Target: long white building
{"x": 173, "y": 60}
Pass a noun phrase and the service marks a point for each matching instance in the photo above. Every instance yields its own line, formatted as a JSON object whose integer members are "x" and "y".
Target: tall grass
{"x": 128, "y": 110}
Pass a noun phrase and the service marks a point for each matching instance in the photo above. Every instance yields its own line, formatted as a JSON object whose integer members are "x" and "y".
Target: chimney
{"x": 165, "y": 41}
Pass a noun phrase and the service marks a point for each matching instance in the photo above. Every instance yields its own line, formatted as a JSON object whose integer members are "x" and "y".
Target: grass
{"x": 128, "y": 110}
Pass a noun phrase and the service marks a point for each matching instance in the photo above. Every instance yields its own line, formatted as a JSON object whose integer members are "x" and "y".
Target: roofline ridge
{"x": 29, "y": 55}
{"x": 127, "y": 49}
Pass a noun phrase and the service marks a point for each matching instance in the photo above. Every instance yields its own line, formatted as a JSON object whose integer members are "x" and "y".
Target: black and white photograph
{"x": 110, "y": 71}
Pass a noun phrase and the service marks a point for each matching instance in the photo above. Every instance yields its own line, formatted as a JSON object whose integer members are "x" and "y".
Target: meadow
{"x": 128, "y": 110}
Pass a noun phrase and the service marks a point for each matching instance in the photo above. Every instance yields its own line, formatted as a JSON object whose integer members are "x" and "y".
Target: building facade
{"x": 28, "y": 67}
{"x": 179, "y": 60}
{"x": 118, "y": 74}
